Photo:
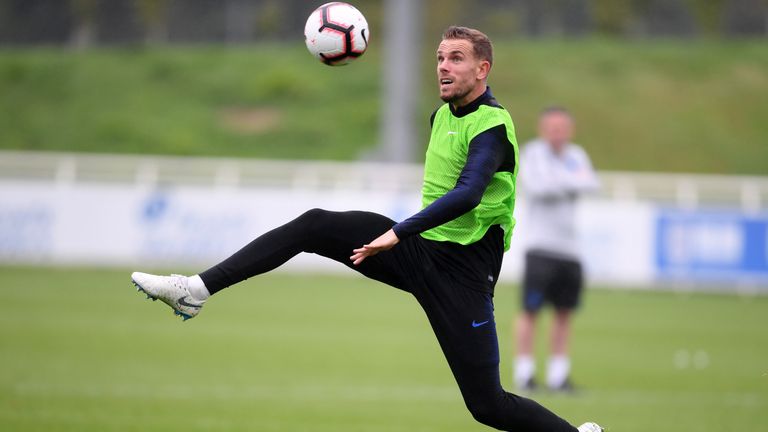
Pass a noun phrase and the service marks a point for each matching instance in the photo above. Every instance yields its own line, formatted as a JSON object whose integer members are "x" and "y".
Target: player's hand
{"x": 384, "y": 242}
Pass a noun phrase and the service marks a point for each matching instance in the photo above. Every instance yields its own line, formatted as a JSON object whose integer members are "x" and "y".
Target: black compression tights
{"x": 453, "y": 309}
{"x": 330, "y": 234}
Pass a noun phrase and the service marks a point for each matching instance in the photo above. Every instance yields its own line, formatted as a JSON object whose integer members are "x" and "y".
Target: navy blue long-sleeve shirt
{"x": 488, "y": 152}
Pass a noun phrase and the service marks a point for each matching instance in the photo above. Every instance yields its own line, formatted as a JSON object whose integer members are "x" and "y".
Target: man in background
{"x": 554, "y": 172}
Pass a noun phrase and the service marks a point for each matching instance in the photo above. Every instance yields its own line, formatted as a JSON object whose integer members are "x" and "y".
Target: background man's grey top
{"x": 552, "y": 183}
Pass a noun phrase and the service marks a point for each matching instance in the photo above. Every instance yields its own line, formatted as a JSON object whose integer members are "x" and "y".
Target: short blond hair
{"x": 481, "y": 44}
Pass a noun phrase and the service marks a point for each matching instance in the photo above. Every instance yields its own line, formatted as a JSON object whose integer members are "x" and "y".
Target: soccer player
{"x": 448, "y": 255}
{"x": 554, "y": 173}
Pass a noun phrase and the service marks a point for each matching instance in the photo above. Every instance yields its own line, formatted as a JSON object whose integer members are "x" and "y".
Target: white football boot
{"x": 590, "y": 427}
{"x": 172, "y": 290}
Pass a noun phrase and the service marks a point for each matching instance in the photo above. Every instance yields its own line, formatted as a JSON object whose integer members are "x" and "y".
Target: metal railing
{"x": 749, "y": 193}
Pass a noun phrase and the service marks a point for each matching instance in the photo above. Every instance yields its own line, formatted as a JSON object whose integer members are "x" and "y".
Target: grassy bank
{"x": 660, "y": 106}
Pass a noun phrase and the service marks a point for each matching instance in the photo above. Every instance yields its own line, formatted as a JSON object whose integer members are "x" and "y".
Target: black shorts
{"x": 550, "y": 279}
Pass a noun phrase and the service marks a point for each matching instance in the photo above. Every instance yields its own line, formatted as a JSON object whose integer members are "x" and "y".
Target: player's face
{"x": 460, "y": 75}
{"x": 556, "y": 129}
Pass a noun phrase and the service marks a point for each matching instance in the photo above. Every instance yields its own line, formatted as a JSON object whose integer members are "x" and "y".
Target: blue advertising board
{"x": 712, "y": 245}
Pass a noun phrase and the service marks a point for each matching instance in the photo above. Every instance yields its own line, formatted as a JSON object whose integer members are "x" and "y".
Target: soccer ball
{"x": 336, "y": 33}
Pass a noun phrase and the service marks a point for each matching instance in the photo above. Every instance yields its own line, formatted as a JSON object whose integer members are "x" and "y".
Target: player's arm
{"x": 583, "y": 179}
{"x": 487, "y": 153}
{"x": 538, "y": 179}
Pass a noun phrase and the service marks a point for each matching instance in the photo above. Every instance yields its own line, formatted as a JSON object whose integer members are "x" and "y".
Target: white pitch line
{"x": 411, "y": 393}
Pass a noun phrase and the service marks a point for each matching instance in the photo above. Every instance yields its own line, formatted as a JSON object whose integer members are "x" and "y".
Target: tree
{"x": 745, "y": 17}
{"x": 613, "y": 17}
{"x": 154, "y": 14}
{"x": 708, "y": 14}
{"x": 668, "y": 18}
{"x": 82, "y": 31}
{"x": 576, "y": 16}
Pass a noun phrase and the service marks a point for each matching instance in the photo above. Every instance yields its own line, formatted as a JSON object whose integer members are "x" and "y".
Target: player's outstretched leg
{"x": 172, "y": 290}
{"x": 330, "y": 234}
{"x": 590, "y": 427}
{"x": 327, "y": 233}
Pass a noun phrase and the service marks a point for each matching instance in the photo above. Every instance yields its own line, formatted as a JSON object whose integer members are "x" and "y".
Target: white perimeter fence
{"x": 642, "y": 230}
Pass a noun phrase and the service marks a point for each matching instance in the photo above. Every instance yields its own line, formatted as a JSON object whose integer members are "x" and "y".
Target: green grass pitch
{"x": 80, "y": 350}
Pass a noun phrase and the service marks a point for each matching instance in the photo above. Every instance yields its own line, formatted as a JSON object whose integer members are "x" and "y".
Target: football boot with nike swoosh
{"x": 172, "y": 290}
{"x": 591, "y": 427}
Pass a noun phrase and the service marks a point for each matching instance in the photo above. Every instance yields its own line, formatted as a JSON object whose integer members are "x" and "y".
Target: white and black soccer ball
{"x": 336, "y": 33}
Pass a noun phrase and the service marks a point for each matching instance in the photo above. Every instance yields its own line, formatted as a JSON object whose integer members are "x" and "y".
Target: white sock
{"x": 197, "y": 288}
{"x": 558, "y": 369}
{"x": 525, "y": 367}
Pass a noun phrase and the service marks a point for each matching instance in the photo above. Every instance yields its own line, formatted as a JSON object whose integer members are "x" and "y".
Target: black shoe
{"x": 530, "y": 385}
{"x": 565, "y": 387}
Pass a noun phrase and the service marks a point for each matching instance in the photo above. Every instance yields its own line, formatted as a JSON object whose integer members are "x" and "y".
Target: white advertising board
{"x": 193, "y": 227}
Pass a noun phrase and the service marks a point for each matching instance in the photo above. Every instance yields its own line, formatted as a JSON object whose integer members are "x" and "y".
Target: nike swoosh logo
{"x": 183, "y": 302}
{"x": 478, "y": 324}
{"x": 452, "y": 133}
